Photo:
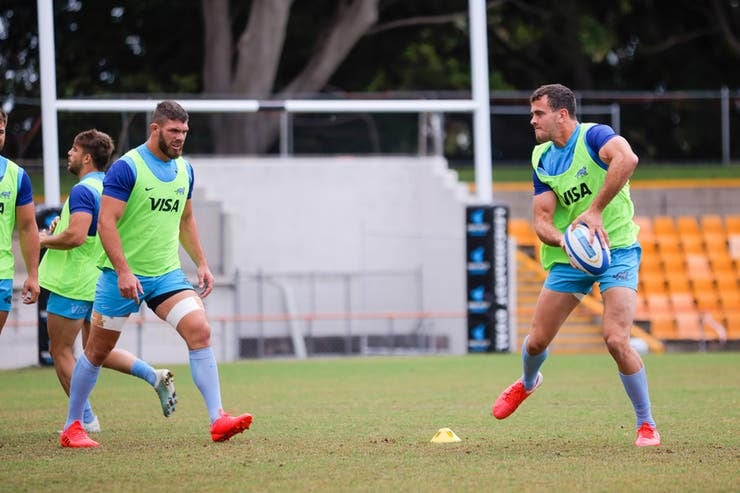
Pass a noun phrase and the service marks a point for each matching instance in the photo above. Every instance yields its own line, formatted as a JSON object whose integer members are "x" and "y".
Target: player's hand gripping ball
{"x": 589, "y": 257}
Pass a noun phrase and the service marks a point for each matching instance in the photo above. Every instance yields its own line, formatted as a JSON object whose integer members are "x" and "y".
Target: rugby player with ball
{"x": 581, "y": 177}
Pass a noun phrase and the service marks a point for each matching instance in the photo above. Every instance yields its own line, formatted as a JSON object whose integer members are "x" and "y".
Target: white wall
{"x": 290, "y": 218}
{"x": 346, "y": 215}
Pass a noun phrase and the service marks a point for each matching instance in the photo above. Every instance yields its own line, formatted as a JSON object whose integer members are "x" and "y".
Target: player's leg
{"x": 551, "y": 310}
{"x": 65, "y": 317}
{"x": 161, "y": 379}
{"x": 184, "y": 311}
{"x": 62, "y": 335}
{"x": 620, "y": 300}
{"x": 84, "y": 377}
{"x": 619, "y": 310}
{"x": 105, "y": 331}
{"x": 99, "y": 344}
{"x": 618, "y": 303}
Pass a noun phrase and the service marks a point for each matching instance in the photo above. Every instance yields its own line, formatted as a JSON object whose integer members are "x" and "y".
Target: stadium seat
{"x": 730, "y": 299}
{"x": 646, "y": 235}
{"x": 663, "y": 327}
{"x": 697, "y": 267}
{"x": 678, "y": 281}
{"x": 669, "y": 244}
{"x": 712, "y": 223}
{"x": 664, "y": 226}
{"x": 673, "y": 261}
{"x": 683, "y": 302}
{"x": 650, "y": 263}
{"x": 732, "y": 324}
{"x": 689, "y": 326}
{"x": 732, "y": 224}
{"x": 717, "y": 233}
{"x": 692, "y": 243}
{"x": 720, "y": 263}
{"x": 653, "y": 284}
{"x": 658, "y": 304}
{"x": 648, "y": 249}
{"x": 703, "y": 285}
{"x": 706, "y": 300}
{"x": 687, "y": 225}
{"x": 726, "y": 280}
{"x": 523, "y": 231}
{"x": 733, "y": 245}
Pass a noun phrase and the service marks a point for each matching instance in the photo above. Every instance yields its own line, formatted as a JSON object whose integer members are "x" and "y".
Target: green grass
{"x": 365, "y": 424}
{"x": 647, "y": 171}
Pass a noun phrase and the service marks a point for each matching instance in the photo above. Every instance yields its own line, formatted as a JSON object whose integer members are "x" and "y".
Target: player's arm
{"x": 543, "y": 210}
{"x": 111, "y": 210}
{"x": 74, "y": 236}
{"x": 190, "y": 241}
{"x": 28, "y": 236}
{"x": 621, "y": 162}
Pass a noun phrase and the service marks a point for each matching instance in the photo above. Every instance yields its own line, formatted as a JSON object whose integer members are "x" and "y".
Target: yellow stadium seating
{"x": 732, "y": 224}
{"x": 677, "y": 281}
{"x": 687, "y": 225}
{"x": 689, "y": 275}
{"x": 664, "y": 226}
{"x": 689, "y": 326}
{"x": 663, "y": 327}
{"x": 712, "y": 223}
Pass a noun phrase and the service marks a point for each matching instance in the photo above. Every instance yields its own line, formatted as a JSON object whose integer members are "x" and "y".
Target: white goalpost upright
{"x": 479, "y": 105}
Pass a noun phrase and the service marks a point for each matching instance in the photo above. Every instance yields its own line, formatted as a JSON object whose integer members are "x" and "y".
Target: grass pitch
{"x": 365, "y": 424}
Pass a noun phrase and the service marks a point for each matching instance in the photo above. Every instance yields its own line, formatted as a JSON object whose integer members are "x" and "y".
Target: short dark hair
{"x": 3, "y": 117}
{"x": 169, "y": 110}
{"x": 98, "y": 144}
{"x": 558, "y": 97}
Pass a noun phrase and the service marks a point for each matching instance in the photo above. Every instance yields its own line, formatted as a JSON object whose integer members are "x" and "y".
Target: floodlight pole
{"x": 48, "y": 79}
{"x": 481, "y": 97}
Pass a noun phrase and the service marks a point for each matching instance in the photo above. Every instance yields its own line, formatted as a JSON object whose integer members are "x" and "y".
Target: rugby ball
{"x": 589, "y": 257}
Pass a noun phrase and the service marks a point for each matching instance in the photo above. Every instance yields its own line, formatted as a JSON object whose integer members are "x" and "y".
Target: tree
{"x": 248, "y": 67}
{"x": 273, "y": 49}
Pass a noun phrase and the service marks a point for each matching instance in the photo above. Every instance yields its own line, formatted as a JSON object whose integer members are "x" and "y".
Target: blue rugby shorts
{"x": 622, "y": 271}
{"x": 108, "y": 299}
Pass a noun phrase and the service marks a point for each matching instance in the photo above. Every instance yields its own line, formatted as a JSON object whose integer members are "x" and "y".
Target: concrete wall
{"x": 375, "y": 220}
{"x": 318, "y": 235}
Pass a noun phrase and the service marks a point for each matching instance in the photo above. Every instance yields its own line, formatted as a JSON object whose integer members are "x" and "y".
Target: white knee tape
{"x": 106, "y": 322}
{"x": 182, "y": 308}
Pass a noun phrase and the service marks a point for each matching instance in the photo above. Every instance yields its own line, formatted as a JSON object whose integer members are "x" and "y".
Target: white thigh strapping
{"x": 106, "y": 322}
{"x": 182, "y": 308}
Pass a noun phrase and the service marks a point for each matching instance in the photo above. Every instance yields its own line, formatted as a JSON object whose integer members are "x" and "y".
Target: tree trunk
{"x": 256, "y": 58}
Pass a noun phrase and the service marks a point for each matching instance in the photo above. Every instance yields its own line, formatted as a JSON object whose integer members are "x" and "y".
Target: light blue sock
{"x": 144, "y": 370}
{"x": 531, "y": 365}
{"x": 636, "y": 386}
{"x": 88, "y": 415}
{"x": 84, "y": 377}
{"x": 204, "y": 370}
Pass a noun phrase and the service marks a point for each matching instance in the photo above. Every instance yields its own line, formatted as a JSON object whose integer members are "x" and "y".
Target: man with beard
{"x": 145, "y": 214}
{"x": 69, "y": 272}
{"x": 16, "y": 207}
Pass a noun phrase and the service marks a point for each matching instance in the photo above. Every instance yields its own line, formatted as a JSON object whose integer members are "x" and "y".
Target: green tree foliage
{"x": 126, "y": 47}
